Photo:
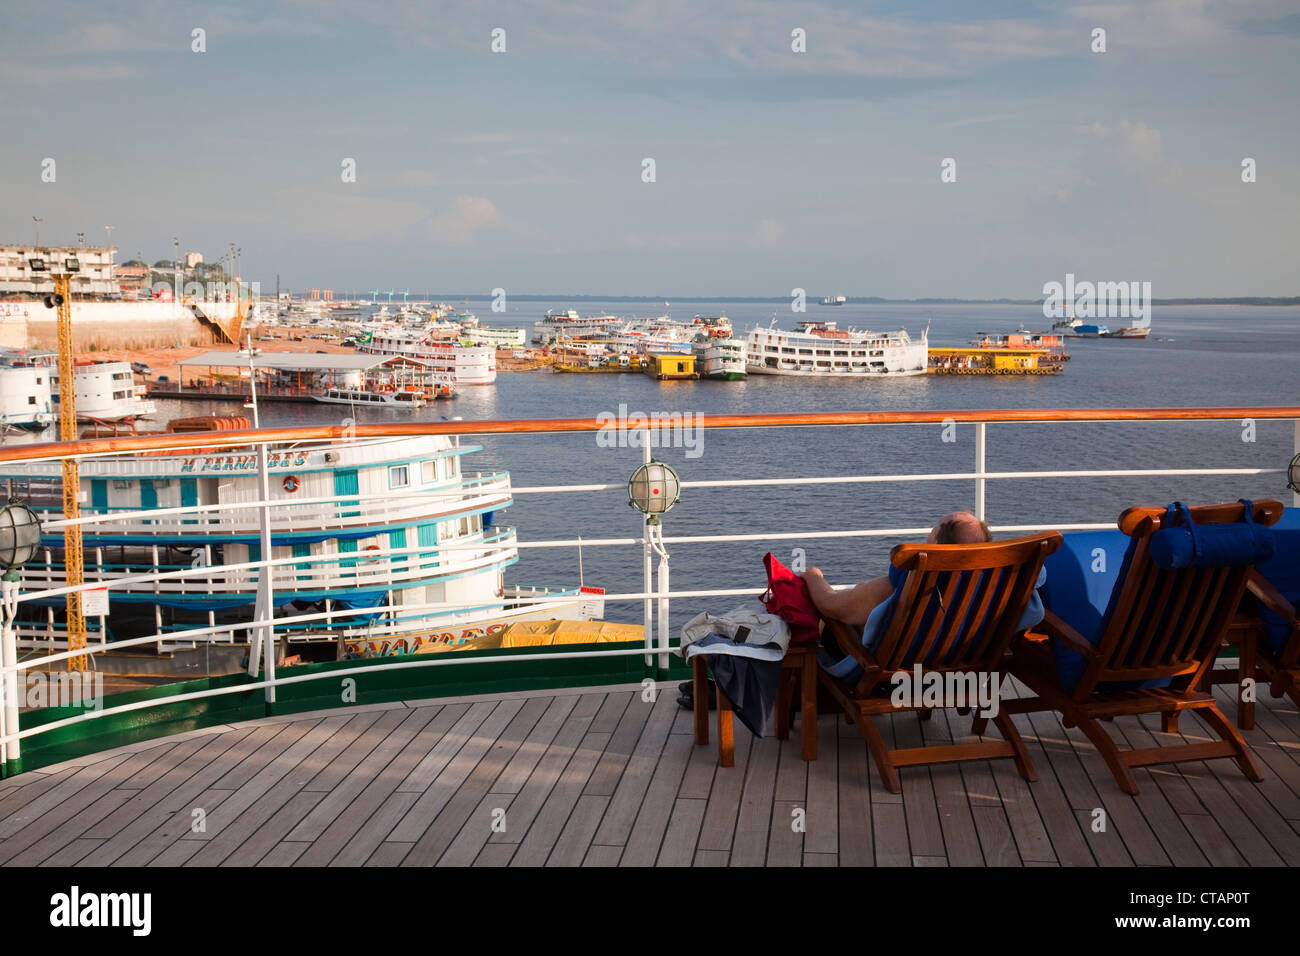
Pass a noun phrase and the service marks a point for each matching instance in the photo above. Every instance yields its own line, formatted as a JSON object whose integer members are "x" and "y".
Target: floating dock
{"x": 991, "y": 361}
{"x": 671, "y": 367}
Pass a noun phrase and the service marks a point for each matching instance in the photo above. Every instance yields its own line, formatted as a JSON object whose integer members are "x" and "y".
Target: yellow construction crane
{"x": 74, "y": 570}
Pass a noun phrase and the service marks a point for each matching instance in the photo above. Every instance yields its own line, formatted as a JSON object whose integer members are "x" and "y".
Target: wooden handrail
{"x": 168, "y": 441}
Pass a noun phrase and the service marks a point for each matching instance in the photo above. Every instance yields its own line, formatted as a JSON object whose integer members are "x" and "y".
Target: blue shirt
{"x": 849, "y": 670}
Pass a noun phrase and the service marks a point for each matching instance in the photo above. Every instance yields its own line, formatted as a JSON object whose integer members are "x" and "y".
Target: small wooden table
{"x": 799, "y": 665}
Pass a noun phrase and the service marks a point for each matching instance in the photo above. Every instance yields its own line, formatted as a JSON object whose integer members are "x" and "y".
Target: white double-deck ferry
{"x": 105, "y": 391}
{"x": 389, "y": 524}
{"x": 25, "y": 400}
{"x": 470, "y": 364}
{"x": 819, "y": 348}
{"x": 720, "y": 358}
{"x": 567, "y": 325}
{"x": 498, "y": 337}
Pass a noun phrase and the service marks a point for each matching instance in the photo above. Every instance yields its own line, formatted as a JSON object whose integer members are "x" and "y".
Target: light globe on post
{"x": 20, "y": 537}
{"x": 653, "y": 489}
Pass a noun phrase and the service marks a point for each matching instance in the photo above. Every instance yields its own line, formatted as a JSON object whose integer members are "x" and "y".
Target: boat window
{"x": 805, "y": 351}
{"x": 399, "y": 476}
{"x": 429, "y": 470}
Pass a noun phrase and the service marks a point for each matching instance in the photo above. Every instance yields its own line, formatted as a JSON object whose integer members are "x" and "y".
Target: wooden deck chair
{"x": 955, "y": 610}
{"x": 1151, "y": 651}
{"x": 1272, "y": 651}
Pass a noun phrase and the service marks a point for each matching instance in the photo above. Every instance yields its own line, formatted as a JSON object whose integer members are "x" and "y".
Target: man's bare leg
{"x": 851, "y": 606}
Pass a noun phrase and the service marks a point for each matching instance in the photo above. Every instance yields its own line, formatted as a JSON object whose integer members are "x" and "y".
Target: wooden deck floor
{"x": 601, "y": 778}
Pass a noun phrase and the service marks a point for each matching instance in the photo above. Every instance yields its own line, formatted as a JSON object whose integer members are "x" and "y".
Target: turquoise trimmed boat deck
{"x": 599, "y": 777}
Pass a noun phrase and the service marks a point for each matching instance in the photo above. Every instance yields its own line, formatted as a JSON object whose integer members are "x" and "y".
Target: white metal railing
{"x": 655, "y": 599}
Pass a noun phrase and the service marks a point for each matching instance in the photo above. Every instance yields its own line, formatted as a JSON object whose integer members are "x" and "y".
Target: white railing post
{"x": 663, "y": 599}
{"x": 265, "y": 607}
{"x": 11, "y": 752}
{"x": 645, "y": 559}
{"x": 980, "y": 470}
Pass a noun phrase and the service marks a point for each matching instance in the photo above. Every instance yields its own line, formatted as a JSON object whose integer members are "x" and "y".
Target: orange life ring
{"x": 291, "y": 483}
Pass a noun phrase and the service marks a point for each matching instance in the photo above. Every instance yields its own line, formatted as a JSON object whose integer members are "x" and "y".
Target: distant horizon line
{"x": 849, "y": 300}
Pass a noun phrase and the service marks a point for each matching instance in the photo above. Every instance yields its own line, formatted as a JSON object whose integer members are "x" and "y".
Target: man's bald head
{"x": 960, "y": 527}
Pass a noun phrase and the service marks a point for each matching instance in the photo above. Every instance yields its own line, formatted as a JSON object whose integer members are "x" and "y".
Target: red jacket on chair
{"x": 787, "y": 597}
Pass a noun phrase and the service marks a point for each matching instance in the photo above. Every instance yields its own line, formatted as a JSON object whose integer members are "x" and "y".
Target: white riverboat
{"x": 821, "y": 349}
{"x": 25, "y": 398}
{"x": 570, "y": 325}
{"x": 497, "y": 337}
{"x": 393, "y": 525}
{"x": 469, "y": 364}
{"x": 720, "y": 358}
{"x": 365, "y": 396}
{"x": 105, "y": 391}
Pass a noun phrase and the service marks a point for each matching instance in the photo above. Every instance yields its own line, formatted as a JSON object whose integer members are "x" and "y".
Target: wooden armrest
{"x": 850, "y": 642}
{"x": 1269, "y": 595}
{"x": 1058, "y": 630}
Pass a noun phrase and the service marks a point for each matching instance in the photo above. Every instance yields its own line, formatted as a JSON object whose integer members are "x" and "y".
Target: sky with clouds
{"x": 774, "y": 169}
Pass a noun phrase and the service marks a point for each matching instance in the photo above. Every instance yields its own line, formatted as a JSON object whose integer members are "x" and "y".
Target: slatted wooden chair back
{"x": 960, "y": 603}
{"x": 1168, "y": 623}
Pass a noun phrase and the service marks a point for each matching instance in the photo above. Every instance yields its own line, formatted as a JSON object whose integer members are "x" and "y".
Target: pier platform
{"x": 599, "y": 777}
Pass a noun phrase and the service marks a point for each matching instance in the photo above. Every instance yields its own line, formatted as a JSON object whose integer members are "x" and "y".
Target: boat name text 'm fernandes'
{"x": 286, "y": 459}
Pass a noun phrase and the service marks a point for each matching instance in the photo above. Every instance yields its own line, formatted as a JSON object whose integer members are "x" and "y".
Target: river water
{"x": 1196, "y": 356}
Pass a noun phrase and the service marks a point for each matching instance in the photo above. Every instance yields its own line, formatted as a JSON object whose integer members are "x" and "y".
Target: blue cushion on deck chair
{"x": 1283, "y": 572}
{"x": 1081, "y": 581}
{"x": 1084, "y": 571}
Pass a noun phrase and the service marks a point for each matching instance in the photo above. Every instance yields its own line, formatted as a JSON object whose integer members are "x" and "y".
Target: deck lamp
{"x": 20, "y": 537}
{"x": 1293, "y": 475}
{"x": 653, "y": 489}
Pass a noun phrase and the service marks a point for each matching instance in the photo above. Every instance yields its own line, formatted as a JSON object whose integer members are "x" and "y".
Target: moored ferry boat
{"x": 568, "y": 325}
{"x": 1053, "y": 342}
{"x": 469, "y": 364}
{"x": 497, "y": 337}
{"x": 820, "y": 349}
{"x": 25, "y": 399}
{"x": 365, "y": 396}
{"x": 105, "y": 391}
{"x": 393, "y": 525}
{"x": 720, "y": 358}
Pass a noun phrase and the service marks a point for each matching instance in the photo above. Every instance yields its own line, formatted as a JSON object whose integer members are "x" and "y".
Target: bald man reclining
{"x": 863, "y": 606}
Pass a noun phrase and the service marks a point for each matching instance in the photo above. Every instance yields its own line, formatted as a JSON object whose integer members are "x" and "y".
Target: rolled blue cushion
{"x": 1212, "y": 546}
